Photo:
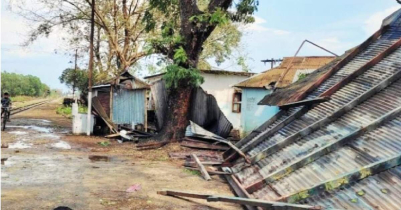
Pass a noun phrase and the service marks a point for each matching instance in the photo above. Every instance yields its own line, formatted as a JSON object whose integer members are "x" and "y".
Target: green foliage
{"x": 67, "y": 110}
{"x": 27, "y": 85}
{"x": 192, "y": 172}
{"x": 302, "y": 76}
{"x": 241, "y": 62}
{"x": 178, "y": 76}
{"x": 245, "y": 8}
{"x": 180, "y": 56}
{"x": 218, "y": 17}
{"x": 75, "y": 79}
{"x": 104, "y": 143}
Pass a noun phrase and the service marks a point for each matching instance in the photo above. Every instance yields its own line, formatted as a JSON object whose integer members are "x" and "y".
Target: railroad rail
{"x": 30, "y": 106}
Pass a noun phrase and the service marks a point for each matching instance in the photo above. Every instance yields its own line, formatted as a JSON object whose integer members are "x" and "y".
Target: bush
{"x": 67, "y": 110}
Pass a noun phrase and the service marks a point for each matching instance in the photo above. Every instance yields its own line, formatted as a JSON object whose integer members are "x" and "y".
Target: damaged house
{"x": 256, "y": 87}
{"x": 123, "y": 101}
{"x": 344, "y": 153}
{"x": 218, "y": 83}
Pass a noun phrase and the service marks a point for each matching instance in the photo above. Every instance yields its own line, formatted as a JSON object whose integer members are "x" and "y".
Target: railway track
{"x": 24, "y": 108}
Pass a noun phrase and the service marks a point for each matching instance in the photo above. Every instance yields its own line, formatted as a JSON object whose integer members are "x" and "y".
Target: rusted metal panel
{"x": 290, "y": 64}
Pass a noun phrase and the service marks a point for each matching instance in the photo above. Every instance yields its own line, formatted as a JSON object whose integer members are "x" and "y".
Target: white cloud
{"x": 14, "y": 32}
{"x": 257, "y": 26}
{"x": 373, "y": 23}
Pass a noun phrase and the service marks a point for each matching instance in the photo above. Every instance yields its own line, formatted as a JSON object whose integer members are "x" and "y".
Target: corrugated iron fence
{"x": 129, "y": 106}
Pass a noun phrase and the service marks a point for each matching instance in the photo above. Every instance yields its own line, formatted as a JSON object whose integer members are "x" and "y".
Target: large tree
{"x": 120, "y": 35}
{"x": 186, "y": 27}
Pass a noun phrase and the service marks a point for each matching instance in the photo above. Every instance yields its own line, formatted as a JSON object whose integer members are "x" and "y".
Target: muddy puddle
{"x": 36, "y": 133}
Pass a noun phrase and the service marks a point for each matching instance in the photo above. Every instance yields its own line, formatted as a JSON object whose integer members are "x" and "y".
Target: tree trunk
{"x": 176, "y": 117}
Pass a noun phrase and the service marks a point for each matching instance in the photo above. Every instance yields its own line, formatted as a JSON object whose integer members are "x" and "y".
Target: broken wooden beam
{"x": 211, "y": 163}
{"x": 201, "y": 145}
{"x": 211, "y": 172}
{"x": 102, "y": 113}
{"x": 238, "y": 200}
{"x": 206, "y": 155}
{"x": 202, "y": 168}
{"x": 305, "y": 102}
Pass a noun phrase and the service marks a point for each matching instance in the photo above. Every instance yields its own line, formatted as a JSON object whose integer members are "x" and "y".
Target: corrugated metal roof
{"x": 298, "y": 64}
{"x": 360, "y": 126}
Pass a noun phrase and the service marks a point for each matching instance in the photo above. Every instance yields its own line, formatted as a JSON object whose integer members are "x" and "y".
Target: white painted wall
{"x": 220, "y": 87}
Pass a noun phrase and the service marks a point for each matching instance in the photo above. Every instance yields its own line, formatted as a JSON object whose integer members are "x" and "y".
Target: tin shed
{"x": 124, "y": 99}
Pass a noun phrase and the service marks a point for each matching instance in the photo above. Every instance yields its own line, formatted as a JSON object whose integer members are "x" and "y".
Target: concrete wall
{"x": 252, "y": 114}
{"x": 220, "y": 87}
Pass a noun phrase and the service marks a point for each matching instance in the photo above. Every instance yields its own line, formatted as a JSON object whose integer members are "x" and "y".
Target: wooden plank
{"x": 301, "y": 162}
{"x": 305, "y": 102}
{"x": 238, "y": 200}
{"x": 345, "y": 179}
{"x": 201, "y": 145}
{"x": 194, "y": 165}
{"x": 306, "y": 131}
{"x": 261, "y": 203}
{"x": 202, "y": 168}
{"x": 99, "y": 109}
{"x": 201, "y": 154}
{"x": 239, "y": 190}
{"x": 238, "y": 151}
{"x": 211, "y": 172}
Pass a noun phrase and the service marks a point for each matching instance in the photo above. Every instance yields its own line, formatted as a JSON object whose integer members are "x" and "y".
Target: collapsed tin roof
{"x": 341, "y": 154}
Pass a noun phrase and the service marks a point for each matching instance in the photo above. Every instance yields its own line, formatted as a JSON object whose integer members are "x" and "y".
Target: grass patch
{"x": 192, "y": 172}
{"x": 22, "y": 98}
{"x": 67, "y": 110}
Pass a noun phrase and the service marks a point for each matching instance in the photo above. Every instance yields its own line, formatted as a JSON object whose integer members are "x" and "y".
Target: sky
{"x": 279, "y": 29}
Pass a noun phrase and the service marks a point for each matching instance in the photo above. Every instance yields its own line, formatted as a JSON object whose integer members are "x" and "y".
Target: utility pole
{"x": 75, "y": 75}
{"x": 88, "y": 128}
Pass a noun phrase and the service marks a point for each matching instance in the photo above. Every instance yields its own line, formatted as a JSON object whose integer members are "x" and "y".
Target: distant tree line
{"x": 19, "y": 84}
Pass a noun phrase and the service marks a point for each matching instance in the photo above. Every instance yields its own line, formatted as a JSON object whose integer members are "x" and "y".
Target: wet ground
{"x": 44, "y": 166}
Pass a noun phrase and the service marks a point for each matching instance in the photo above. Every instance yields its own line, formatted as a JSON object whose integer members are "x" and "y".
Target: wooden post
{"x": 111, "y": 102}
{"x": 146, "y": 111}
{"x": 201, "y": 168}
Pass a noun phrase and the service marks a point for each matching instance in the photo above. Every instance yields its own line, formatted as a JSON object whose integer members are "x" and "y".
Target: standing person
{"x": 6, "y": 103}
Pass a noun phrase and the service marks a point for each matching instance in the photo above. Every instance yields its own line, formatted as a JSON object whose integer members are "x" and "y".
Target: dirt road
{"x": 45, "y": 167}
